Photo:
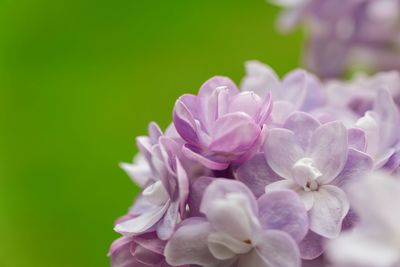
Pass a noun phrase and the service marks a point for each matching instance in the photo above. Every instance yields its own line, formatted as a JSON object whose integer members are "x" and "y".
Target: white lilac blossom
{"x": 258, "y": 176}
{"x": 238, "y": 229}
{"x": 376, "y": 241}
{"x": 346, "y": 34}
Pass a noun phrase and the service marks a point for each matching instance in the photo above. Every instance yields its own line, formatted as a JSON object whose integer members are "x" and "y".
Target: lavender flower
{"x": 221, "y": 125}
{"x": 382, "y": 126}
{"x": 259, "y": 176}
{"x": 238, "y": 229}
{"x": 298, "y": 90}
{"x": 376, "y": 241}
{"x": 348, "y": 33}
{"x": 162, "y": 203}
{"x": 316, "y": 161}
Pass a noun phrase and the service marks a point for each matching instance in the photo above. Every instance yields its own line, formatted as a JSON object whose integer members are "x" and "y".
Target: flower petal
{"x": 231, "y": 208}
{"x": 284, "y": 210}
{"x": 220, "y": 188}
{"x": 256, "y": 174}
{"x": 357, "y": 164}
{"x": 181, "y": 249}
{"x": 234, "y": 132}
{"x": 247, "y": 102}
{"x": 184, "y": 122}
{"x": 120, "y": 253}
{"x": 218, "y": 81}
{"x": 330, "y": 208}
{"x": 282, "y": 151}
{"x": 312, "y": 246}
{"x": 357, "y": 139}
{"x": 303, "y": 126}
{"x": 143, "y": 222}
{"x": 224, "y": 246}
{"x": 275, "y": 248}
{"x": 328, "y": 148}
{"x": 192, "y": 154}
{"x": 168, "y": 223}
{"x": 260, "y": 79}
{"x": 196, "y": 194}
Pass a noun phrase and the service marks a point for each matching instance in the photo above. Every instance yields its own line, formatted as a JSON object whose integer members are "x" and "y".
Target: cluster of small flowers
{"x": 279, "y": 173}
{"x": 346, "y": 34}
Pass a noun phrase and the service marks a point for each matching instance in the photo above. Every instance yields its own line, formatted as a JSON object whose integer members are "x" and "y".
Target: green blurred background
{"x": 78, "y": 81}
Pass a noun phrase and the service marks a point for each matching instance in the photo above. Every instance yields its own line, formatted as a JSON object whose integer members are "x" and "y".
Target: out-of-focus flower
{"x": 346, "y": 33}
{"x": 376, "y": 241}
{"x": 239, "y": 230}
{"x": 382, "y": 126}
{"x": 315, "y": 161}
{"x": 221, "y": 125}
{"x": 162, "y": 203}
{"x": 298, "y": 90}
{"x": 359, "y": 94}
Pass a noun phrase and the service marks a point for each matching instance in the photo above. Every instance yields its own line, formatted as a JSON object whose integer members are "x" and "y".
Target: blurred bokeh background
{"x": 79, "y": 80}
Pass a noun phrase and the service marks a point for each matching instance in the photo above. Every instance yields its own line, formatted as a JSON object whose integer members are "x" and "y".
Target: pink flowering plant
{"x": 277, "y": 172}
{"x": 234, "y": 182}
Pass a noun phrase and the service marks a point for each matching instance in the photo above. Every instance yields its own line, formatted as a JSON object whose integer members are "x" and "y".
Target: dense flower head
{"x": 266, "y": 175}
{"x": 345, "y": 34}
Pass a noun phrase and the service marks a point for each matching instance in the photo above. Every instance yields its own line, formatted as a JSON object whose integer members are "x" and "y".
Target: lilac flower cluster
{"x": 260, "y": 176}
{"x": 346, "y": 34}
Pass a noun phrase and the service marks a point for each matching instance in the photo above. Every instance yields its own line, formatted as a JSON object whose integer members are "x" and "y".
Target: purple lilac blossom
{"x": 259, "y": 176}
{"x": 239, "y": 229}
{"x": 221, "y": 125}
{"x": 162, "y": 204}
{"x": 346, "y": 34}
{"x": 316, "y": 161}
{"x": 298, "y": 90}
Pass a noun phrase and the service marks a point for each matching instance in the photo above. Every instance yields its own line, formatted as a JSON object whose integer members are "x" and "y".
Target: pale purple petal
{"x": 220, "y": 188}
{"x": 191, "y": 154}
{"x": 183, "y": 186}
{"x": 303, "y": 126}
{"x": 224, "y": 246}
{"x": 196, "y": 194}
{"x": 168, "y": 223}
{"x": 248, "y": 102}
{"x": 256, "y": 174}
{"x": 235, "y": 131}
{"x": 218, "y": 81}
{"x": 328, "y": 149}
{"x": 143, "y": 222}
{"x": 154, "y": 132}
{"x": 312, "y": 246}
{"x": 294, "y": 87}
{"x": 357, "y": 139}
{"x": 330, "y": 208}
{"x": 285, "y": 211}
{"x": 282, "y": 151}
{"x": 181, "y": 248}
{"x": 275, "y": 248}
{"x": 120, "y": 253}
{"x": 232, "y": 215}
{"x": 260, "y": 79}
{"x": 357, "y": 165}
{"x": 184, "y": 122}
